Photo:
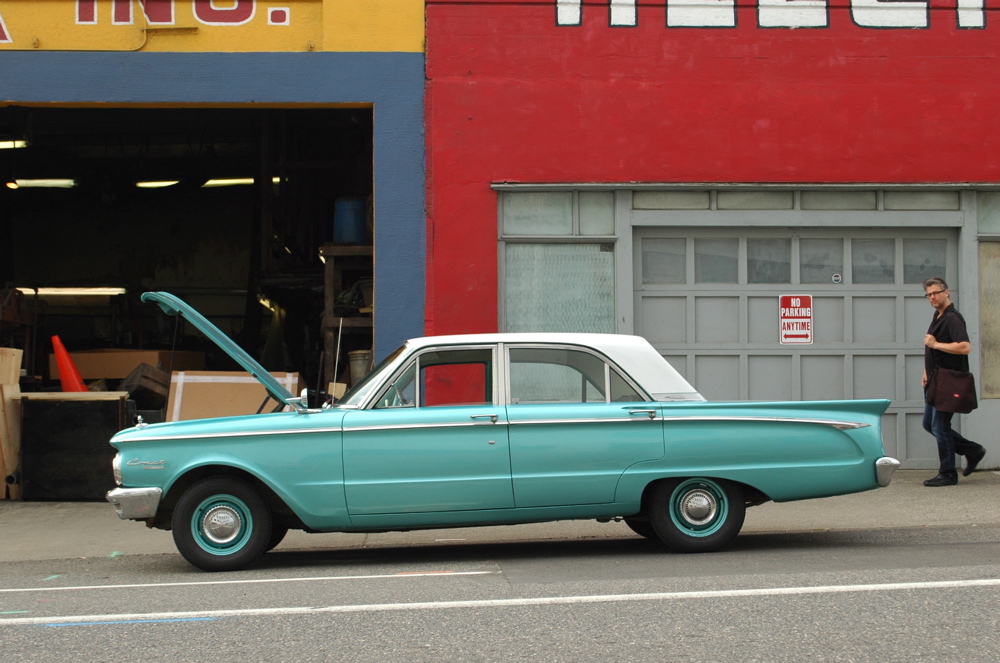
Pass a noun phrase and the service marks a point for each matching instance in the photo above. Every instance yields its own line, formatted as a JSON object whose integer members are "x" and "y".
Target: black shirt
{"x": 949, "y": 327}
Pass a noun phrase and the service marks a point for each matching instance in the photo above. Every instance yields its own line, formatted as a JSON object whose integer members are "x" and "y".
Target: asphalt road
{"x": 921, "y": 585}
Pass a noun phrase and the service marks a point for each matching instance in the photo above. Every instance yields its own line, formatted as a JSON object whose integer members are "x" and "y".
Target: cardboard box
{"x": 206, "y": 394}
{"x": 117, "y": 364}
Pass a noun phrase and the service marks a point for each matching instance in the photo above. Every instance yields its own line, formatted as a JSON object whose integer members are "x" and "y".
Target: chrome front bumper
{"x": 135, "y": 503}
{"x": 885, "y": 467}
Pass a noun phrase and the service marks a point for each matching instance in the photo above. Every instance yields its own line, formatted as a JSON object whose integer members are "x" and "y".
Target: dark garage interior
{"x": 144, "y": 199}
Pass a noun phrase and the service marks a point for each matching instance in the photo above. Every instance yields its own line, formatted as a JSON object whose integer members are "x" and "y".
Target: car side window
{"x": 402, "y": 391}
{"x": 443, "y": 377}
{"x": 556, "y": 375}
{"x": 622, "y": 391}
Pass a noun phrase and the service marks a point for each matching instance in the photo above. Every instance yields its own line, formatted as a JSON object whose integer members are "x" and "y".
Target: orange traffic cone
{"x": 69, "y": 376}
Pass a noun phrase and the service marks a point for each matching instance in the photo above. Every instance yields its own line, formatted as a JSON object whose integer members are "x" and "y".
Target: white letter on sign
{"x": 971, "y": 14}
{"x": 792, "y": 14}
{"x": 701, "y": 13}
{"x": 890, "y": 13}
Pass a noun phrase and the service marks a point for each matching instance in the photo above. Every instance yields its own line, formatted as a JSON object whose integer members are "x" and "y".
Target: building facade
{"x": 678, "y": 170}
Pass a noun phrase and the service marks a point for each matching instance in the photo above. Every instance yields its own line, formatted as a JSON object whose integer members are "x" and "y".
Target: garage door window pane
{"x": 597, "y": 213}
{"x": 923, "y": 258}
{"x": 664, "y": 260}
{"x": 542, "y": 213}
{"x": 559, "y": 288}
{"x": 716, "y": 260}
{"x": 873, "y": 260}
{"x": 769, "y": 261}
{"x": 820, "y": 259}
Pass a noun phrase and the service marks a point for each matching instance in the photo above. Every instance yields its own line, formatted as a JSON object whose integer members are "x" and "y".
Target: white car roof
{"x": 633, "y": 354}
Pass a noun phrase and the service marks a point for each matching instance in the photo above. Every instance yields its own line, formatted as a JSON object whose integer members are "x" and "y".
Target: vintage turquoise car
{"x": 488, "y": 429}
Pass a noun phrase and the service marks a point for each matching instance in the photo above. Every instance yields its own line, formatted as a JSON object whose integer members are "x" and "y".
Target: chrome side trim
{"x": 885, "y": 467}
{"x": 135, "y": 503}
{"x": 249, "y": 433}
{"x": 536, "y": 422}
{"x": 842, "y": 425}
{"x": 443, "y": 424}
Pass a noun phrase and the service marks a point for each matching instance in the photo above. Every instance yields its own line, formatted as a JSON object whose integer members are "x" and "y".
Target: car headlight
{"x": 116, "y": 468}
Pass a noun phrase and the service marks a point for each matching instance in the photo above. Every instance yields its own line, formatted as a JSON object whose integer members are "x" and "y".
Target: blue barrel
{"x": 349, "y": 221}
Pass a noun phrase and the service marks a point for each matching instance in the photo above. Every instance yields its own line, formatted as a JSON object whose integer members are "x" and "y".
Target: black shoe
{"x": 941, "y": 480}
{"x": 972, "y": 462}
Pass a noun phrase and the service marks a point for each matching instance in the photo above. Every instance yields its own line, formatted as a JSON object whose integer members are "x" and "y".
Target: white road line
{"x": 501, "y": 603}
{"x": 250, "y": 582}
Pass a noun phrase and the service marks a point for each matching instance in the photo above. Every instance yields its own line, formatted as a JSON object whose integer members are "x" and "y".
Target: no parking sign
{"x": 795, "y": 317}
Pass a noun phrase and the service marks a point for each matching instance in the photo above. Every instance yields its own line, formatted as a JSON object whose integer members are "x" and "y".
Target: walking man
{"x": 946, "y": 345}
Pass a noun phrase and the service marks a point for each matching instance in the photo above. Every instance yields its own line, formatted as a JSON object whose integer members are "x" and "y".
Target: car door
{"x": 576, "y": 423}
{"x": 435, "y": 441}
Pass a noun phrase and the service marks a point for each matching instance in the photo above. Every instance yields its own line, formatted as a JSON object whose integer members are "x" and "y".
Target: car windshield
{"x": 357, "y": 394}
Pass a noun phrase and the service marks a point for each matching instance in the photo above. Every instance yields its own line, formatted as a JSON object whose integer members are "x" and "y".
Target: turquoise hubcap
{"x": 222, "y": 524}
{"x": 698, "y": 507}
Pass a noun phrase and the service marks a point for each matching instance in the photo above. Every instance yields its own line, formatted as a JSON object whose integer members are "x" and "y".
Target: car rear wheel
{"x": 697, "y": 515}
{"x": 221, "y": 524}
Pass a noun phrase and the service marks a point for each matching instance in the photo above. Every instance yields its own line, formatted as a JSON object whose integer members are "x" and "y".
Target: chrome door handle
{"x": 491, "y": 417}
{"x": 650, "y": 413}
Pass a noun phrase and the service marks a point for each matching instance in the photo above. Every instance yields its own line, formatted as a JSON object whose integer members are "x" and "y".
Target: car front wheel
{"x": 221, "y": 524}
{"x": 697, "y": 515}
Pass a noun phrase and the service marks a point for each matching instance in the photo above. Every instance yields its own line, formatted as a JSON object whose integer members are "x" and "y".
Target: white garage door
{"x": 707, "y": 282}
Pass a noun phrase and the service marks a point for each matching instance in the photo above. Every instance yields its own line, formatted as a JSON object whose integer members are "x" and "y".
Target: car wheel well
{"x": 279, "y": 510}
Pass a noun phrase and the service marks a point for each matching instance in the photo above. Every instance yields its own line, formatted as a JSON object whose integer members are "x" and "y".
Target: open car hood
{"x": 171, "y": 305}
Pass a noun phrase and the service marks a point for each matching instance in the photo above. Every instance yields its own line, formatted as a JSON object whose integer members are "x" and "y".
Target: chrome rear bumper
{"x": 885, "y": 467}
{"x": 135, "y": 503}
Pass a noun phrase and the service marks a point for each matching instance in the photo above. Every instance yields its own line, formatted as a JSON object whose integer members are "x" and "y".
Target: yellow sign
{"x": 366, "y": 26}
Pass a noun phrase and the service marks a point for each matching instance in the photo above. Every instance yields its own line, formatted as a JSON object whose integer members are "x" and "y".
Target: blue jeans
{"x": 949, "y": 442}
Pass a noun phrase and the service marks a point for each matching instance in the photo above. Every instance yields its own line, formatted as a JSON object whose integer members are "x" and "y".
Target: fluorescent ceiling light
{"x": 236, "y": 181}
{"x": 73, "y": 292}
{"x": 12, "y": 144}
{"x": 156, "y": 185}
{"x": 43, "y": 184}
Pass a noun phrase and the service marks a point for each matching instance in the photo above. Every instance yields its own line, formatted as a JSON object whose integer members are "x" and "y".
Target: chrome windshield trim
{"x": 841, "y": 425}
{"x": 208, "y": 436}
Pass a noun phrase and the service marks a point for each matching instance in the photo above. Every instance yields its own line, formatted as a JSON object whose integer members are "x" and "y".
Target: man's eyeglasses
{"x": 935, "y": 293}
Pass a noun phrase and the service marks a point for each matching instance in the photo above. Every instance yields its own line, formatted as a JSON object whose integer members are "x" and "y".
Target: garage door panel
{"x": 890, "y": 436}
{"x": 680, "y": 364}
{"x": 874, "y": 319}
{"x": 828, "y": 319}
{"x": 762, "y": 316}
{"x": 770, "y": 378}
{"x": 664, "y": 319}
{"x": 822, "y": 378}
{"x": 717, "y": 320}
{"x": 875, "y": 377}
{"x": 921, "y": 449}
{"x": 720, "y": 377}
{"x": 914, "y": 373}
{"x": 917, "y": 314}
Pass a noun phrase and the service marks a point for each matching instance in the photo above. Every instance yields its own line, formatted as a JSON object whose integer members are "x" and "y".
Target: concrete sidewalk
{"x": 66, "y": 530}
